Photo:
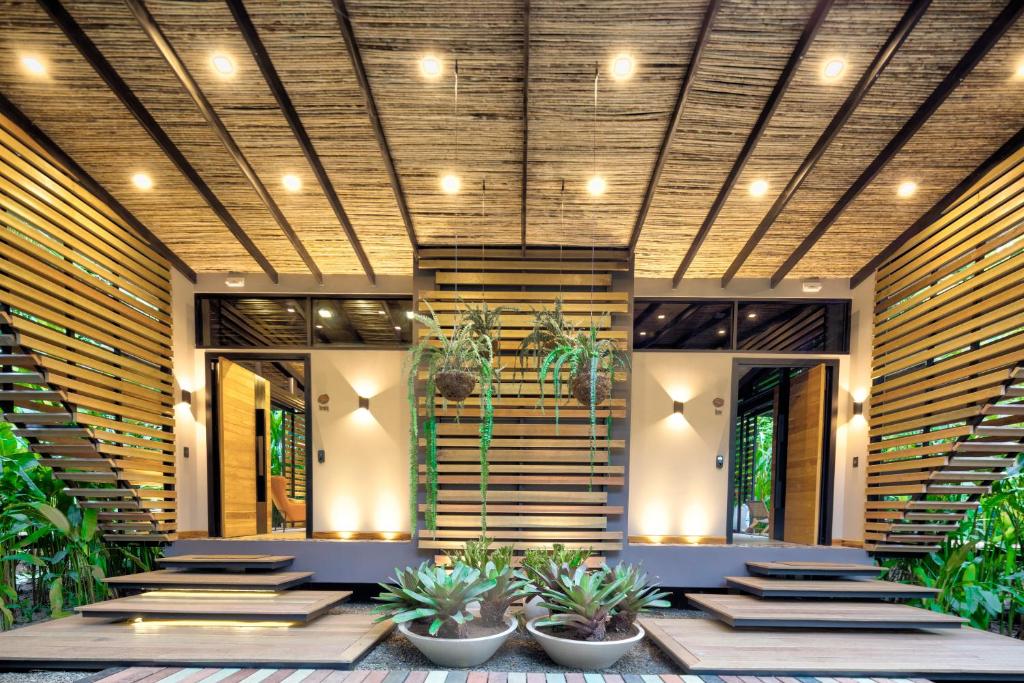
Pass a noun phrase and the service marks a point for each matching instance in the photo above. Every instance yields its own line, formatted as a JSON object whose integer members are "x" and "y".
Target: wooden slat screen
{"x": 294, "y": 465}
{"x": 85, "y": 344}
{"x": 947, "y": 417}
{"x": 539, "y": 491}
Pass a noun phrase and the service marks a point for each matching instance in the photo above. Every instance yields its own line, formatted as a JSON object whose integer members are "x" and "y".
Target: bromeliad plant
{"x": 494, "y": 564}
{"x": 592, "y": 363}
{"x": 541, "y": 567}
{"x": 641, "y": 595}
{"x": 455, "y": 363}
{"x": 433, "y": 596}
{"x": 581, "y": 602}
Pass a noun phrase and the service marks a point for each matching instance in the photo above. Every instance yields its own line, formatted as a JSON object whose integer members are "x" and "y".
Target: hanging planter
{"x": 455, "y": 385}
{"x": 583, "y": 388}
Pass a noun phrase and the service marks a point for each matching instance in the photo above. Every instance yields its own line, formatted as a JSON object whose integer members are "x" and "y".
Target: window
{"x": 233, "y": 321}
{"x": 781, "y": 326}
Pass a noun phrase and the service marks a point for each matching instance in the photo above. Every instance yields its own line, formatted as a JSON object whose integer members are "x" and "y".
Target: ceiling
{"x": 755, "y": 106}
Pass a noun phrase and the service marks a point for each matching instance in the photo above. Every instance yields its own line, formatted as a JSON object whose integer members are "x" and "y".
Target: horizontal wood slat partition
{"x": 85, "y": 344}
{"x": 947, "y": 416}
{"x": 539, "y": 489}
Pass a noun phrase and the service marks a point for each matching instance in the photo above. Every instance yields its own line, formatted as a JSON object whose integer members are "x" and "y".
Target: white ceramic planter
{"x": 582, "y": 655}
{"x": 459, "y": 653}
{"x": 532, "y": 609}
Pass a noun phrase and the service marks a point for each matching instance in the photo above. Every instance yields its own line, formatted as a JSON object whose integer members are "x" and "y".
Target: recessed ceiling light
{"x": 622, "y": 66}
{"x": 643, "y": 334}
{"x": 906, "y": 189}
{"x": 291, "y": 310}
{"x": 833, "y": 69}
{"x": 751, "y": 315}
{"x": 758, "y": 188}
{"x": 661, "y": 316}
{"x": 430, "y": 66}
{"x": 291, "y": 182}
{"x": 34, "y": 65}
{"x": 235, "y": 281}
{"x": 1019, "y": 73}
{"x": 451, "y": 183}
{"x": 143, "y": 181}
{"x": 409, "y": 314}
{"x": 597, "y": 186}
{"x": 222, "y": 64}
{"x": 721, "y": 331}
{"x": 325, "y": 313}
{"x": 319, "y": 326}
{"x": 398, "y": 328}
{"x": 382, "y": 312}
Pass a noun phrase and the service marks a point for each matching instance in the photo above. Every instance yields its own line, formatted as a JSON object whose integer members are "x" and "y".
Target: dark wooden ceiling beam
{"x": 957, "y": 74}
{"x": 356, "y": 57}
{"x": 284, "y": 103}
{"x": 882, "y": 58}
{"x": 9, "y": 110}
{"x": 673, "y": 123}
{"x": 526, "y": 120}
{"x": 781, "y": 86}
{"x": 939, "y": 208}
{"x": 117, "y": 85}
{"x": 153, "y": 31}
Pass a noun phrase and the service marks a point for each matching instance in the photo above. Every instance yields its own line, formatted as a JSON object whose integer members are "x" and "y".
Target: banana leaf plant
{"x": 455, "y": 363}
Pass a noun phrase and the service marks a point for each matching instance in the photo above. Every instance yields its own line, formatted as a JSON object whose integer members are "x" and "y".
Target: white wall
{"x": 675, "y": 488}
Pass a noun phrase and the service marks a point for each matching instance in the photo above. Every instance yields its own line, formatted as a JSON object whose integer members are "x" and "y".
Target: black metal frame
{"x": 202, "y": 324}
{"x": 734, "y": 323}
{"x": 213, "y": 437}
{"x": 827, "y": 491}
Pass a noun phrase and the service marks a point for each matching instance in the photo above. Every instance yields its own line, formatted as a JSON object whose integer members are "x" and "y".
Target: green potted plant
{"x": 455, "y": 363}
{"x": 592, "y": 363}
{"x": 579, "y": 633}
{"x": 536, "y": 571}
{"x": 494, "y": 564}
{"x": 431, "y": 606}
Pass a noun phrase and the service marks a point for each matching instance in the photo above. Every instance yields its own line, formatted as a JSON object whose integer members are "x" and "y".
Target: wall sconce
{"x": 186, "y": 397}
{"x": 364, "y": 402}
{"x": 677, "y": 407}
{"x": 858, "y": 408}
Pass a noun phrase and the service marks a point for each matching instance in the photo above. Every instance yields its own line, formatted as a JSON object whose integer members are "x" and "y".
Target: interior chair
{"x": 293, "y": 510}
{"x": 758, "y": 517}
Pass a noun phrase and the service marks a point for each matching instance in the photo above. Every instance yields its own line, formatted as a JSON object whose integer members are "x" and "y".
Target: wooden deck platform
{"x": 299, "y": 606}
{"x": 228, "y": 562}
{"x": 813, "y": 569}
{"x": 745, "y": 611}
{"x": 184, "y": 579}
{"x": 335, "y": 641}
{"x": 766, "y": 587}
{"x": 709, "y": 646}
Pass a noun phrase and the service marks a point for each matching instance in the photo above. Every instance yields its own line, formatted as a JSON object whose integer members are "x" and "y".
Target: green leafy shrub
{"x": 641, "y": 595}
{"x": 495, "y": 564}
{"x": 581, "y": 602}
{"x": 434, "y": 597}
{"x": 541, "y": 566}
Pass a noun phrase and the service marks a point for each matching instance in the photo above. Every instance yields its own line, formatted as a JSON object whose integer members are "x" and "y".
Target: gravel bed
{"x": 43, "y": 676}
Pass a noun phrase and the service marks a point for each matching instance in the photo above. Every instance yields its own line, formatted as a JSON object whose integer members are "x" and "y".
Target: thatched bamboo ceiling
{"x": 748, "y": 46}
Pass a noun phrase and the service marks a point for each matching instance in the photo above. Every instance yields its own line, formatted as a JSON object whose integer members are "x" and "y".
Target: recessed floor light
{"x": 430, "y": 66}
{"x": 833, "y": 69}
{"x": 758, "y": 188}
{"x": 34, "y": 65}
{"x": 291, "y": 182}
{"x": 622, "y": 67}
{"x": 906, "y": 189}
{"x": 597, "y": 186}
{"x": 142, "y": 181}
{"x": 451, "y": 183}
{"x": 222, "y": 64}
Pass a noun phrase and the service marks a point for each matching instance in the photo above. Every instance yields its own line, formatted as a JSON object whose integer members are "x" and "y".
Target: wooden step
{"x": 981, "y": 463}
{"x": 900, "y": 549}
{"x": 813, "y": 569}
{"x": 989, "y": 447}
{"x": 195, "y": 580}
{"x": 300, "y": 606}
{"x": 950, "y": 490}
{"x": 901, "y": 527}
{"x": 37, "y": 418}
{"x": 29, "y": 395}
{"x": 966, "y": 475}
{"x": 226, "y": 562}
{"x": 941, "y": 505}
{"x": 1011, "y": 432}
{"x": 746, "y": 611}
{"x": 22, "y": 378}
{"x": 1014, "y": 392}
{"x": 765, "y": 587}
{"x": 934, "y": 516}
{"x": 1003, "y": 409}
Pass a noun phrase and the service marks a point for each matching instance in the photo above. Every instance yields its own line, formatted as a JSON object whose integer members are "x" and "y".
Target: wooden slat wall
{"x": 539, "y": 475}
{"x": 294, "y": 466}
{"x": 85, "y": 344}
{"x": 947, "y": 417}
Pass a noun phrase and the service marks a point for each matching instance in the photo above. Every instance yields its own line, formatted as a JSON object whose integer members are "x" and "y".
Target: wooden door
{"x": 805, "y": 452}
{"x": 244, "y": 465}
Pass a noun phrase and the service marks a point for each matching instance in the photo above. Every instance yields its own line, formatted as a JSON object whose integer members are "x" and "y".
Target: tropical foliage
{"x": 467, "y": 349}
{"x": 494, "y": 563}
{"x": 434, "y": 596}
{"x": 979, "y": 570}
{"x": 51, "y": 554}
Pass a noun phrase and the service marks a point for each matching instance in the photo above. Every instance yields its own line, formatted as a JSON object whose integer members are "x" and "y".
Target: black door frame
{"x": 213, "y": 436}
{"x": 827, "y": 492}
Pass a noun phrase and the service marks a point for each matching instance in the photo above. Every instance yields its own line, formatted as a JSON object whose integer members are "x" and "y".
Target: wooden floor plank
{"x": 704, "y": 645}
{"x": 813, "y": 569}
{"x": 183, "y": 578}
{"x": 294, "y": 605}
{"x": 767, "y": 587}
{"x": 236, "y": 562}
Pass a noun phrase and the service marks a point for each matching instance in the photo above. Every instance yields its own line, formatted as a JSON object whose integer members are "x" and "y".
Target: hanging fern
{"x": 430, "y": 429}
{"x": 593, "y": 419}
{"x": 486, "y": 433}
{"x": 413, "y": 362}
